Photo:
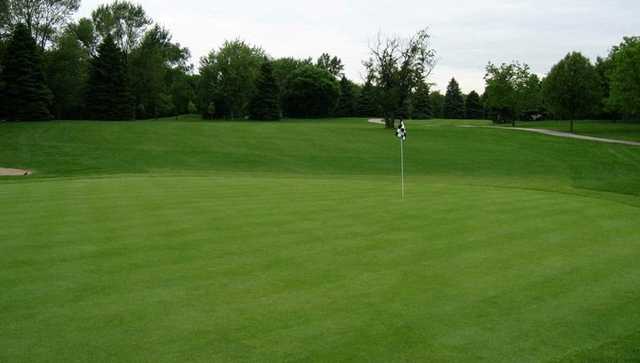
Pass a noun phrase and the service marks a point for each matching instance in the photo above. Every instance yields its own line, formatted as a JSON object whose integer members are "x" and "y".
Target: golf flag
{"x": 401, "y": 132}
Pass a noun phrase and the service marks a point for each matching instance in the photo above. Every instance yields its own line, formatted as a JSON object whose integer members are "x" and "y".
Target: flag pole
{"x": 402, "y": 165}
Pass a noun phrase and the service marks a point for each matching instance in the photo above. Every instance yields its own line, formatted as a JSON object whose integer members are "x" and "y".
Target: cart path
{"x": 561, "y": 134}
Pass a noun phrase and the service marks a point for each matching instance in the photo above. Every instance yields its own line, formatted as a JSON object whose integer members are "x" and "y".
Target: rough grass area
{"x": 209, "y": 241}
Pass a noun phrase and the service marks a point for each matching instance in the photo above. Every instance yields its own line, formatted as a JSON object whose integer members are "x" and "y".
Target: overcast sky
{"x": 466, "y": 33}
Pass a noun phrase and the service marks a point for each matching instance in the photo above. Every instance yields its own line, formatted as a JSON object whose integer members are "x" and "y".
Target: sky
{"x": 466, "y": 34}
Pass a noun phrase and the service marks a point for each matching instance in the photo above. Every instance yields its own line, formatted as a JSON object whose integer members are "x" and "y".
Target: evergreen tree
{"x": 346, "y": 101}
{"x": 265, "y": 104}
{"x": 422, "y": 102}
{"x": 437, "y": 104}
{"x": 367, "y": 106}
{"x": 472, "y": 107}
{"x": 453, "y": 101}
{"x": 108, "y": 95}
{"x": 26, "y": 96}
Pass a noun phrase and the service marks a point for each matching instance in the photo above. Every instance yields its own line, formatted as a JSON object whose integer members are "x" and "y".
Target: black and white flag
{"x": 401, "y": 131}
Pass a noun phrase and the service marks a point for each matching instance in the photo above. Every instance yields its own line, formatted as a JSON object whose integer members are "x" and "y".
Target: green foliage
{"x": 126, "y": 22}
{"x": 453, "y": 107}
{"x": 152, "y": 66}
{"x": 572, "y": 88}
{"x": 472, "y": 106}
{"x": 437, "y": 104}
{"x": 67, "y": 71}
{"x": 283, "y": 68}
{"x": 511, "y": 90}
{"x": 43, "y": 18}
{"x": 265, "y": 104}
{"x": 5, "y": 17}
{"x": 25, "y": 95}
{"x": 396, "y": 66}
{"x": 191, "y": 108}
{"x": 108, "y": 94}
{"x": 422, "y": 108}
{"x": 368, "y": 105}
{"x": 86, "y": 33}
{"x": 210, "y": 111}
{"x": 604, "y": 108}
{"x": 182, "y": 88}
{"x": 229, "y": 77}
{"x": 346, "y": 106}
{"x": 313, "y": 92}
{"x": 330, "y": 64}
{"x": 624, "y": 75}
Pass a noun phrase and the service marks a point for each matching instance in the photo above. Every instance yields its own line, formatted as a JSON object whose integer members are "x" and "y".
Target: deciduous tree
{"x": 625, "y": 77}
{"x": 42, "y": 17}
{"x": 331, "y": 64}
{"x": 313, "y": 92}
{"x": 67, "y": 65}
{"x": 396, "y": 65}
{"x": 124, "y": 21}
{"x": 230, "y": 75}
{"x": 572, "y": 88}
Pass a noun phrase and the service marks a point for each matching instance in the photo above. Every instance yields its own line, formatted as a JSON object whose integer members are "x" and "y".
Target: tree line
{"x": 119, "y": 64}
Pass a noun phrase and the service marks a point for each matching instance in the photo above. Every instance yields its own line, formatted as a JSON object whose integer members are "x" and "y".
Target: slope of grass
{"x": 195, "y": 241}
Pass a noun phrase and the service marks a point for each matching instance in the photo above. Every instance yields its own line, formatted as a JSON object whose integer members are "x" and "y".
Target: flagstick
{"x": 402, "y": 164}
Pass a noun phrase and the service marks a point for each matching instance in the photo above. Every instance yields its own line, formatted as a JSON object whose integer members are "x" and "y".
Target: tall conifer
{"x": 108, "y": 93}
{"x": 26, "y": 96}
{"x": 265, "y": 104}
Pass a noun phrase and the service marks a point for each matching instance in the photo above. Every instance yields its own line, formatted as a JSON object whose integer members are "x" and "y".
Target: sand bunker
{"x": 14, "y": 172}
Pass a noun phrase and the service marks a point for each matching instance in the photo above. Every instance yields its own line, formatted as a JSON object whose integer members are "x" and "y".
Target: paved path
{"x": 378, "y": 121}
{"x": 14, "y": 172}
{"x": 562, "y": 134}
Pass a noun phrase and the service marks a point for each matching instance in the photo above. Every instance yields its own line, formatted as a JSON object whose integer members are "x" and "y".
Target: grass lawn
{"x": 219, "y": 241}
{"x": 612, "y": 130}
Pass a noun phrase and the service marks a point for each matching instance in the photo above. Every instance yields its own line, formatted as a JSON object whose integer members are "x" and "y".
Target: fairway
{"x": 239, "y": 241}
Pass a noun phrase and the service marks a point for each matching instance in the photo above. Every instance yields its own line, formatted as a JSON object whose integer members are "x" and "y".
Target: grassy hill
{"x": 213, "y": 241}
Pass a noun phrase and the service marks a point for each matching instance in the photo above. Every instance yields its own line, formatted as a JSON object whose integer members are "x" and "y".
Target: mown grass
{"x": 210, "y": 241}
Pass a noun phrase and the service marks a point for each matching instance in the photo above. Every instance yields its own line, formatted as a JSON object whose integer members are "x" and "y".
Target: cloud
{"x": 466, "y": 34}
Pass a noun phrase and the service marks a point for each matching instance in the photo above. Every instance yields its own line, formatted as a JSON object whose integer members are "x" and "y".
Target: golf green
{"x": 196, "y": 241}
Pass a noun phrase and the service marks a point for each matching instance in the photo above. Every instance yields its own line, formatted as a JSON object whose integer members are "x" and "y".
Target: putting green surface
{"x": 289, "y": 242}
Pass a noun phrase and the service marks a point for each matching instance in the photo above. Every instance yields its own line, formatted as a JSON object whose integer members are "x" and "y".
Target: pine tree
{"x": 25, "y": 95}
{"x": 437, "y": 104}
{"x": 472, "y": 107}
{"x": 346, "y": 102}
{"x": 265, "y": 104}
{"x": 366, "y": 104}
{"x": 422, "y": 102}
{"x": 108, "y": 94}
{"x": 453, "y": 101}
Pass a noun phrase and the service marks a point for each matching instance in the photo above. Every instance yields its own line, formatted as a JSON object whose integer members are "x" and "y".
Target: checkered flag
{"x": 401, "y": 132}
